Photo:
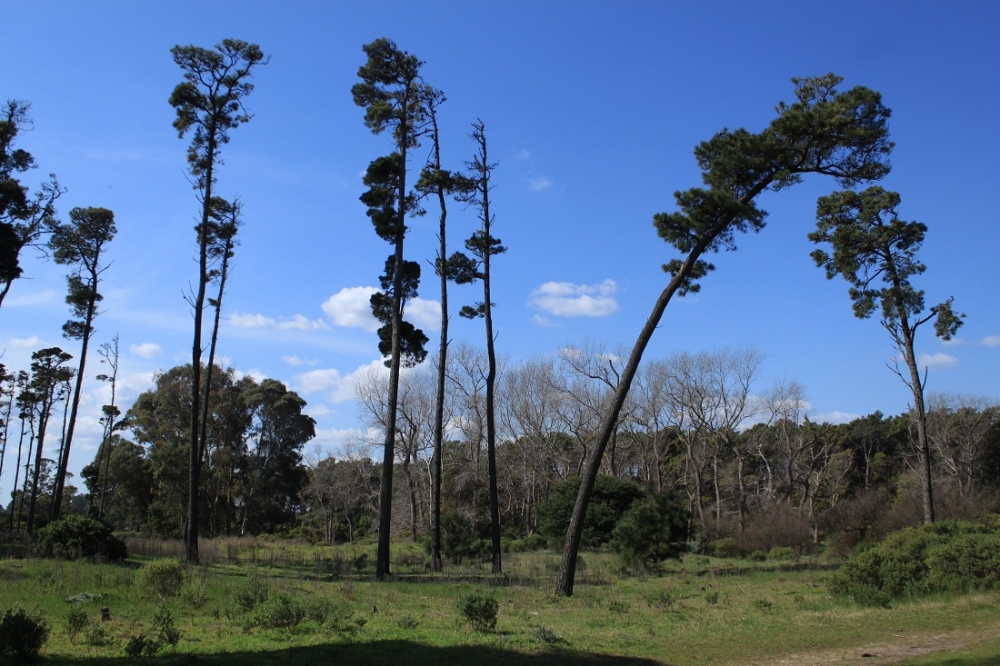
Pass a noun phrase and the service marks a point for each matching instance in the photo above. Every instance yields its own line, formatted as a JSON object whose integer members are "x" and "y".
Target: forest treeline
{"x": 752, "y": 471}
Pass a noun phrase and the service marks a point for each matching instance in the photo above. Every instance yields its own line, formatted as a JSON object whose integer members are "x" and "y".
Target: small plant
{"x": 252, "y": 593}
{"x": 619, "y": 607}
{"x": 278, "y": 611}
{"x": 546, "y": 635}
{"x": 95, "y": 635}
{"x": 782, "y": 554}
{"x": 167, "y": 633}
{"x": 140, "y": 646}
{"x": 661, "y": 599}
{"x": 194, "y": 595}
{"x": 479, "y": 609}
{"x": 407, "y": 622}
{"x": 712, "y": 597}
{"x": 77, "y": 622}
{"x": 164, "y": 577}
{"x": 22, "y": 635}
{"x": 762, "y": 604}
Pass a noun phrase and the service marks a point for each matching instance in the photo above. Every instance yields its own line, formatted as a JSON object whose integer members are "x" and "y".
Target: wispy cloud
{"x": 991, "y": 341}
{"x": 835, "y": 417}
{"x": 521, "y": 153}
{"x": 938, "y": 360}
{"x": 539, "y": 184}
{"x": 565, "y": 299}
{"x": 30, "y": 298}
{"x": 296, "y": 361}
{"x": 296, "y": 323}
{"x": 338, "y": 388}
{"x": 25, "y": 343}
{"x": 539, "y": 320}
{"x": 146, "y": 350}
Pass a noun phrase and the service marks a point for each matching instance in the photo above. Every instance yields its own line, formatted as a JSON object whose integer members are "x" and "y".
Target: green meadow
{"x": 326, "y": 608}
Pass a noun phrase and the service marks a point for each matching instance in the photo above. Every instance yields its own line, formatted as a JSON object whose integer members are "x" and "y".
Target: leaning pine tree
{"x": 840, "y": 134}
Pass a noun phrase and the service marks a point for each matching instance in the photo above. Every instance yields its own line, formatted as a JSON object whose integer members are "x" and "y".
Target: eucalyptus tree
{"x": 483, "y": 246}
{"x": 24, "y": 217}
{"x": 395, "y": 99}
{"x": 48, "y": 378}
{"x": 209, "y": 103}
{"x": 838, "y": 134}
{"x": 80, "y": 244}
{"x": 876, "y": 252}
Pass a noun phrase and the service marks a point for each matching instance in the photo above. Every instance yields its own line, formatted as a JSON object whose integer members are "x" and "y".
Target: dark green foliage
{"x": 652, "y": 530}
{"x": 278, "y": 611}
{"x": 946, "y": 555}
{"x": 77, "y": 621}
{"x": 166, "y": 632}
{"x": 461, "y": 538}
{"x": 164, "y": 577}
{"x": 140, "y": 646}
{"x": 251, "y": 594}
{"x": 479, "y": 609}
{"x": 782, "y": 554}
{"x": 76, "y": 536}
{"x": 611, "y": 498}
{"x": 22, "y": 635}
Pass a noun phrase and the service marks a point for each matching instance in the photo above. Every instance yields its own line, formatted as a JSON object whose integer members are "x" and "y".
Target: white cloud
{"x": 25, "y": 343}
{"x": 338, "y": 388}
{"x": 835, "y": 417}
{"x": 539, "y": 320}
{"x": 295, "y": 360}
{"x": 939, "y": 360}
{"x": 539, "y": 184}
{"x": 351, "y": 307}
{"x": 564, "y": 299}
{"x": 424, "y": 314}
{"x": 296, "y": 322}
{"x": 522, "y": 154}
{"x": 991, "y": 341}
{"x": 146, "y": 350}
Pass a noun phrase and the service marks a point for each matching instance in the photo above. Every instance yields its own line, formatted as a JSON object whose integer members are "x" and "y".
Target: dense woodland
{"x": 478, "y": 451}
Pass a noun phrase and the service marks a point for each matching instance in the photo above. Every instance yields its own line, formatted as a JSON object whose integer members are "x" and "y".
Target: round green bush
{"x": 651, "y": 531}
{"x": 22, "y": 635}
{"x": 164, "y": 577}
{"x": 479, "y": 609}
{"x": 75, "y": 536}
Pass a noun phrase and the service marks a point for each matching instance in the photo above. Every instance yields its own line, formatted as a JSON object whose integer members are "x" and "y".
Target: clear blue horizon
{"x": 592, "y": 110}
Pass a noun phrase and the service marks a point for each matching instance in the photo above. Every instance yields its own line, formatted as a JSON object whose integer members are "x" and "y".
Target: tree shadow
{"x": 375, "y": 654}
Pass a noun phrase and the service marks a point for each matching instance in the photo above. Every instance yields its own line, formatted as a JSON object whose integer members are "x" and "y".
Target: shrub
{"x": 22, "y": 635}
{"x": 277, "y": 611}
{"x": 407, "y": 622}
{"x": 252, "y": 593}
{"x": 479, "y": 609}
{"x": 461, "y": 538}
{"x": 619, "y": 607}
{"x": 76, "y": 536}
{"x": 724, "y": 547}
{"x": 166, "y": 632}
{"x": 661, "y": 599}
{"x": 164, "y": 577}
{"x": 712, "y": 597}
{"x": 546, "y": 635}
{"x": 651, "y": 531}
{"x": 782, "y": 554}
{"x": 76, "y": 622}
{"x": 611, "y": 498}
{"x": 96, "y": 636}
{"x": 194, "y": 595}
{"x": 782, "y": 525}
{"x": 917, "y": 560}
{"x": 140, "y": 646}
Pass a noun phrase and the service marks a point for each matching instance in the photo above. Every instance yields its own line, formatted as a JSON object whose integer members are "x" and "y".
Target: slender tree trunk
{"x": 194, "y": 457}
{"x": 43, "y": 420}
{"x": 17, "y": 473}
{"x": 437, "y": 564}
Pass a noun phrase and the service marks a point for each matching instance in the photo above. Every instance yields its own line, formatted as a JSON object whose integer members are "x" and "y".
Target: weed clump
{"x": 546, "y": 635}
{"x": 480, "y": 610}
{"x": 278, "y": 611}
{"x": 22, "y": 635}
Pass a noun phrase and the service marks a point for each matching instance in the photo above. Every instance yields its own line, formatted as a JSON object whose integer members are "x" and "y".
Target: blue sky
{"x": 592, "y": 110}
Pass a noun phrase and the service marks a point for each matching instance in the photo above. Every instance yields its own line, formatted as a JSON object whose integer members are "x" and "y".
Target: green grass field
{"x": 699, "y": 611}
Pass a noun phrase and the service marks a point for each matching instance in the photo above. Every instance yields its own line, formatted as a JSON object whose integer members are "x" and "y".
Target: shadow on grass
{"x": 375, "y": 653}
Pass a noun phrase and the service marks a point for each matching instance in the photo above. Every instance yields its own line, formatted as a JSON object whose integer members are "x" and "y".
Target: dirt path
{"x": 896, "y": 648}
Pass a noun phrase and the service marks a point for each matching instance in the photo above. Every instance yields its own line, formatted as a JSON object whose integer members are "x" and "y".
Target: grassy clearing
{"x": 701, "y": 610}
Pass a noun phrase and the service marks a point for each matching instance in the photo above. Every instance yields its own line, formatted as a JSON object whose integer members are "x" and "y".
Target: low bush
{"x": 166, "y": 632}
{"x": 479, "y": 609}
{"x": 250, "y": 594}
{"x": 278, "y": 611}
{"x": 22, "y": 635}
{"x": 782, "y": 554}
{"x": 77, "y": 622}
{"x": 724, "y": 547}
{"x": 75, "y": 536}
{"x": 947, "y": 555}
{"x": 164, "y": 577}
{"x": 140, "y": 646}
{"x": 651, "y": 531}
